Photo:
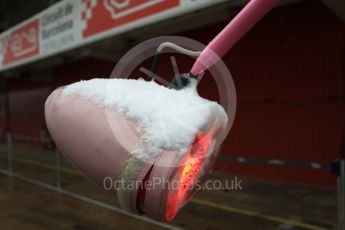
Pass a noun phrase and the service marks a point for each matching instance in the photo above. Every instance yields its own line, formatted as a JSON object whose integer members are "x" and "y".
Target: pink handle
{"x": 231, "y": 34}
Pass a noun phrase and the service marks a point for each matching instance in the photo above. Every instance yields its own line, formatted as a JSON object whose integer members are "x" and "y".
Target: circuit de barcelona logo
{"x": 99, "y": 16}
{"x": 118, "y": 9}
{"x": 19, "y": 43}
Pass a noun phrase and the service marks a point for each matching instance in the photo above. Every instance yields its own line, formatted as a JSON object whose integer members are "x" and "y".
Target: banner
{"x": 72, "y": 23}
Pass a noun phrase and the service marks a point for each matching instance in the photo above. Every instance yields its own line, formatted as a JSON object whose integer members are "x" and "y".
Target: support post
{"x": 341, "y": 194}
{"x": 58, "y": 168}
{"x": 9, "y": 152}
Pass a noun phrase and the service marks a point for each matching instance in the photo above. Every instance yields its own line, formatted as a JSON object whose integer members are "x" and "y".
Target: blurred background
{"x": 287, "y": 143}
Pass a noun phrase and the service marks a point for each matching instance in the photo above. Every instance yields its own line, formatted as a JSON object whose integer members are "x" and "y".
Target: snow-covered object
{"x": 170, "y": 118}
{"x": 132, "y": 131}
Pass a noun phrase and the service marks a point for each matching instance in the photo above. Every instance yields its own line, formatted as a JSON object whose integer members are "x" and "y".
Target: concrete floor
{"x": 260, "y": 205}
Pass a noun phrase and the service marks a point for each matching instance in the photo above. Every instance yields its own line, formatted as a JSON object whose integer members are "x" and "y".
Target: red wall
{"x": 289, "y": 76}
{"x": 26, "y": 112}
{"x": 27, "y": 97}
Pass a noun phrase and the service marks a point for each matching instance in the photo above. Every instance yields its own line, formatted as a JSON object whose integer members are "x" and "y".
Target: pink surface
{"x": 98, "y": 142}
{"x": 82, "y": 133}
{"x": 231, "y": 34}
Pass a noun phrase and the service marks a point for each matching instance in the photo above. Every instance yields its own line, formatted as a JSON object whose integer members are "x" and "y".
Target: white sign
{"x": 60, "y": 27}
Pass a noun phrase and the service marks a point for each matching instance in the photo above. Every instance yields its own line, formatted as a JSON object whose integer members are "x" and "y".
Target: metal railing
{"x": 58, "y": 187}
{"x": 337, "y": 168}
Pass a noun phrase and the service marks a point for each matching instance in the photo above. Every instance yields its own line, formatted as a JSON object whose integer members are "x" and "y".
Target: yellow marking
{"x": 44, "y": 165}
{"x": 256, "y": 214}
{"x": 196, "y": 201}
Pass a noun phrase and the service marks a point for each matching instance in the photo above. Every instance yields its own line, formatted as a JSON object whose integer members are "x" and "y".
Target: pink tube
{"x": 231, "y": 34}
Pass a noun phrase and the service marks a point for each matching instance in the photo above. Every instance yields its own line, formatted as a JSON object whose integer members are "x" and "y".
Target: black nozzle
{"x": 180, "y": 81}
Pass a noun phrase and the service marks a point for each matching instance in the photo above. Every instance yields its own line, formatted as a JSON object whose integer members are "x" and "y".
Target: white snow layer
{"x": 170, "y": 118}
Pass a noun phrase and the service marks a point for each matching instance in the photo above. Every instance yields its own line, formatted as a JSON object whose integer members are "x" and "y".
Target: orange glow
{"x": 190, "y": 167}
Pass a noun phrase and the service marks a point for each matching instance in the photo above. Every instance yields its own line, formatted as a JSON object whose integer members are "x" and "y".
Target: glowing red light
{"x": 188, "y": 172}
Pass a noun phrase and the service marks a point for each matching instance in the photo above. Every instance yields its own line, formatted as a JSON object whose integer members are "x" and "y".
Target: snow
{"x": 170, "y": 118}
